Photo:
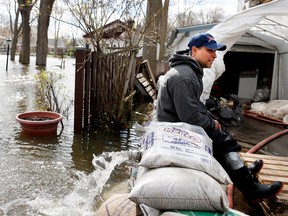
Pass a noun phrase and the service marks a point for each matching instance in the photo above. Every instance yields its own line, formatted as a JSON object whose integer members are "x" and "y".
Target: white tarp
{"x": 267, "y": 26}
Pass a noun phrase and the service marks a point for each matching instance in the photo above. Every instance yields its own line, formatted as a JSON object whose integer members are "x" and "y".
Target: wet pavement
{"x": 252, "y": 131}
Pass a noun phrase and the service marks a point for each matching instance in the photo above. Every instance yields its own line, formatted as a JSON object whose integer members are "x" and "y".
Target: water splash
{"x": 87, "y": 188}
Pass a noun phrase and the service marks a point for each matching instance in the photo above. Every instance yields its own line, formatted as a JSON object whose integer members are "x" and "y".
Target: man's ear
{"x": 193, "y": 50}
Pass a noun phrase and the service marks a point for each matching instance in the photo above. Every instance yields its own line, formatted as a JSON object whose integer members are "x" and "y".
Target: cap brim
{"x": 220, "y": 47}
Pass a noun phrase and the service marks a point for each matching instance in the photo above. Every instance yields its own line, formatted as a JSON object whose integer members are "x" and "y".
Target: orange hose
{"x": 264, "y": 118}
{"x": 266, "y": 141}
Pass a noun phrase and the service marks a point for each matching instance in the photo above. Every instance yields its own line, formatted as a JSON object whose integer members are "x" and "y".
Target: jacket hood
{"x": 178, "y": 59}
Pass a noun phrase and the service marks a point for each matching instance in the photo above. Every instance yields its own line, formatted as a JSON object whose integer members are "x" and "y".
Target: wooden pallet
{"x": 275, "y": 169}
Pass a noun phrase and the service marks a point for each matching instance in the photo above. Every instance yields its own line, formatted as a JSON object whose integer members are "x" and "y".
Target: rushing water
{"x": 61, "y": 175}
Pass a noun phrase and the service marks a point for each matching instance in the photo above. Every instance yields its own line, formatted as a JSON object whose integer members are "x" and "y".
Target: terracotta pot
{"x": 39, "y": 122}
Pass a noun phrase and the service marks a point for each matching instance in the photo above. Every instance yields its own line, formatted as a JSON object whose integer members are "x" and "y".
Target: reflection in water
{"x": 32, "y": 139}
{"x": 85, "y": 146}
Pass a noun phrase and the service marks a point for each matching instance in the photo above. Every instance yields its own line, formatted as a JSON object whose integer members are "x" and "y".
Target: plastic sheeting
{"x": 267, "y": 26}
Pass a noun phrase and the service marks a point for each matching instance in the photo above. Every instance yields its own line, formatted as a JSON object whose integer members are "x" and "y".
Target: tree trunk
{"x": 16, "y": 31}
{"x": 163, "y": 30}
{"x": 58, "y": 11}
{"x": 151, "y": 39}
{"x": 42, "y": 34}
{"x": 25, "y": 10}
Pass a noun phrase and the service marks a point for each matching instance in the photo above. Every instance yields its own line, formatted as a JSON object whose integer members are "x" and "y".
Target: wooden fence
{"x": 104, "y": 88}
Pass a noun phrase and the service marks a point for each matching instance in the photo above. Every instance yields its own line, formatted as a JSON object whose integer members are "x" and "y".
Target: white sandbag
{"x": 277, "y": 109}
{"x": 258, "y": 107}
{"x": 171, "y": 188}
{"x": 285, "y": 119}
{"x": 175, "y": 144}
{"x": 282, "y": 112}
{"x": 273, "y": 107}
{"x": 149, "y": 211}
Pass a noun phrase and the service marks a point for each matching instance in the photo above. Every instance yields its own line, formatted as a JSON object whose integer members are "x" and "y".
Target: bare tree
{"x": 58, "y": 12}
{"x": 42, "y": 33}
{"x": 190, "y": 16}
{"x": 214, "y": 15}
{"x": 93, "y": 16}
{"x": 15, "y": 28}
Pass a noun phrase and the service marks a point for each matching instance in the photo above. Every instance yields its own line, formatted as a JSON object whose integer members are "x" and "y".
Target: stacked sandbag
{"x": 277, "y": 109}
{"x": 119, "y": 205}
{"x": 178, "y": 171}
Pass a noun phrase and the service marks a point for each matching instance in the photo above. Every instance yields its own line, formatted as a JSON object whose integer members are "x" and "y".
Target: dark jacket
{"x": 179, "y": 94}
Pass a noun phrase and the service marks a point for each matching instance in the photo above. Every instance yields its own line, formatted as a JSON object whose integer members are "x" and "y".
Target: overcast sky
{"x": 229, "y": 6}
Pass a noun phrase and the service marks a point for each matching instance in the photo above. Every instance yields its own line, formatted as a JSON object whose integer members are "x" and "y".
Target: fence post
{"x": 80, "y": 55}
{"x": 87, "y": 77}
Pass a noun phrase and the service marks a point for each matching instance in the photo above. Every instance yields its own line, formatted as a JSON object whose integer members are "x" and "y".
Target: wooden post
{"x": 130, "y": 69}
{"x": 80, "y": 54}
{"x": 87, "y": 81}
{"x": 93, "y": 87}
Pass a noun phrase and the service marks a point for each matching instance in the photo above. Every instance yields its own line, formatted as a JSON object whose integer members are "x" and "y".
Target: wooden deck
{"x": 275, "y": 169}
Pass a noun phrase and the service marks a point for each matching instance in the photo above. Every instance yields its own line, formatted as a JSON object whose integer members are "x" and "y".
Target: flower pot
{"x": 39, "y": 122}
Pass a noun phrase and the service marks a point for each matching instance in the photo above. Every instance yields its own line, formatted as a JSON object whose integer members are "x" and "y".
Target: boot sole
{"x": 255, "y": 201}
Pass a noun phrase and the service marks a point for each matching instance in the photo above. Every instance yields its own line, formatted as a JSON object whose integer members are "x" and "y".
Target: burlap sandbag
{"x": 119, "y": 205}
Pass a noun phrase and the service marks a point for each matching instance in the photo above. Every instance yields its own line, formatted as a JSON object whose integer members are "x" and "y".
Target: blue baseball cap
{"x": 206, "y": 40}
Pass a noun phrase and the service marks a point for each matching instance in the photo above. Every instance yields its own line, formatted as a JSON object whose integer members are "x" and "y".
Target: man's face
{"x": 204, "y": 56}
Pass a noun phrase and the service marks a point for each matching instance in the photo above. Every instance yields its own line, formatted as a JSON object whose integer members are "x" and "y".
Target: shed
{"x": 257, "y": 48}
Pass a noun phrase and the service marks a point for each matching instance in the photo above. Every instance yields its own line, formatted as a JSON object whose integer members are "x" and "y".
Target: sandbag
{"x": 172, "y": 188}
{"x": 258, "y": 107}
{"x": 277, "y": 109}
{"x": 119, "y": 205}
{"x": 180, "y": 145}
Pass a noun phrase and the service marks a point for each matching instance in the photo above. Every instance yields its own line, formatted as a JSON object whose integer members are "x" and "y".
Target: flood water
{"x": 60, "y": 175}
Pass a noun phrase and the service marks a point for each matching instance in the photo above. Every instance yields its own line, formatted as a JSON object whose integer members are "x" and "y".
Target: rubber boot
{"x": 253, "y": 191}
{"x": 256, "y": 167}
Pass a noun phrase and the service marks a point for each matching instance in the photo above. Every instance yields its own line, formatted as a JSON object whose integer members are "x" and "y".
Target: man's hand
{"x": 217, "y": 125}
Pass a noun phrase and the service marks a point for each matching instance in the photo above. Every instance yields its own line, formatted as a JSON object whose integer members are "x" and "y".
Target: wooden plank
{"x": 268, "y": 178}
{"x": 257, "y": 156}
{"x": 151, "y": 92}
{"x": 142, "y": 79}
{"x": 150, "y": 73}
{"x": 270, "y": 172}
{"x": 139, "y": 75}
{"x": 140, "y": 87}
{"x": 146, "y": 84}
{"x": 283, "y": 196}
{"x": 274, "y": 167}
{"x": 275, "y": 162}
{"x": 148, "y": 88}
